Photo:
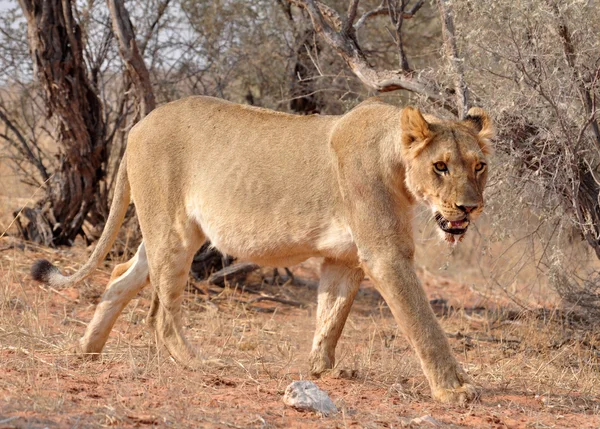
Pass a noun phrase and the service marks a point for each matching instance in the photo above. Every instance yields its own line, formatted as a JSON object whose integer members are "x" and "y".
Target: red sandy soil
{"x": 535, "y": 371}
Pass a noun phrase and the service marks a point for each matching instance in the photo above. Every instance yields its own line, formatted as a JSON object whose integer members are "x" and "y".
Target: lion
{"x": 276, "y": 189}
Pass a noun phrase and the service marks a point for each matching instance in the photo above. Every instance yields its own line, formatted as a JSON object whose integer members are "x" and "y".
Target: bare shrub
{"x": 583, "y": 293}
{"x": 534, "y": 65}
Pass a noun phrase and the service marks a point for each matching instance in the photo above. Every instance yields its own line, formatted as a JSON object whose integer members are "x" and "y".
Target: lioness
{"x": 277, "y": 189}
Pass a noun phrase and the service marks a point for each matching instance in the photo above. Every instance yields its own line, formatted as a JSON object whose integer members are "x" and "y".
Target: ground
{"x": 537, "y": 369}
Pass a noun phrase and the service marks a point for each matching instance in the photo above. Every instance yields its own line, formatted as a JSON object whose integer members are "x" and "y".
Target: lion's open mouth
{"x": 456, "y": 227}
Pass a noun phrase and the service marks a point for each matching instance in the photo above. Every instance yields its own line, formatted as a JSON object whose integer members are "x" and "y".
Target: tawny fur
{"x": 277, "y": 189}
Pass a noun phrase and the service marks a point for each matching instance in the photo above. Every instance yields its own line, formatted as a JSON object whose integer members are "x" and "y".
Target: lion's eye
{"x": 480, "y": 166}
{"x": 440, "y": 167}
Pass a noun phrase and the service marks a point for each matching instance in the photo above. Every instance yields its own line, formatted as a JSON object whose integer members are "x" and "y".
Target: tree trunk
{"x": 73, "y": 105}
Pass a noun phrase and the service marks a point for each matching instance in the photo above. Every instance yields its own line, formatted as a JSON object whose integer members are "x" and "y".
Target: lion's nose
{"x": 466, "y": 209}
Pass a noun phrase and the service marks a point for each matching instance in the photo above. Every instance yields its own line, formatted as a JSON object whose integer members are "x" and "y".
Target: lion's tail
{"x": 43, "y": 271}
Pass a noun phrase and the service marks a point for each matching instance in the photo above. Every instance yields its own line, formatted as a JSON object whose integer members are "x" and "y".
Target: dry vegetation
{"x": 537, "y": 368}
{"x": 534, "y": 65}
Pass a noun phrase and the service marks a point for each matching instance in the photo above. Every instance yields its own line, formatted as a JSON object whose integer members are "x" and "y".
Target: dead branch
{"x": 348, "y": 24}
{"x": 586, "y": 92}
{"x": 250, "y": 304}
{"x": 275, "y": 299}
{"x": 331, "y": 14}
{"x": 383, "y": 9}
{"x": 379, "y": 10}
{"x": 130, "y": 53}
{"x": 22, "y": 144}
{"x": 396, "y": 15}
{"x": 453, "y": 57}
{"x": 460, "y": 336}
{"x": 328, "y": 26}
{"x": 59, "y": 293}
{"x": 161, "y": 10}
{"x": 232, "y": 273}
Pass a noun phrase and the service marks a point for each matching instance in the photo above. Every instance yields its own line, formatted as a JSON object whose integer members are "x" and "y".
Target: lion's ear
{"x": 479, "y": 121}
{"x": 415, "y": 128}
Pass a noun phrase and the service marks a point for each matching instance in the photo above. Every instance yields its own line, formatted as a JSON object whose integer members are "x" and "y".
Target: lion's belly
{"x": 277, "y": 238}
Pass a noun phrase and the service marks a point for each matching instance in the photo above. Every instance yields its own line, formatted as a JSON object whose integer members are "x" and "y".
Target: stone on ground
{"x": 305, "y": 395}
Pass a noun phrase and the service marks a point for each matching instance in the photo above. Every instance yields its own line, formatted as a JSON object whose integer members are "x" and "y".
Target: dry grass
{"x": 536, "y": 372}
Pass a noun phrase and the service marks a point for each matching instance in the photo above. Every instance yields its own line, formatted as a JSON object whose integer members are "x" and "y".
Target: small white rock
{"x": 305, "y": 395}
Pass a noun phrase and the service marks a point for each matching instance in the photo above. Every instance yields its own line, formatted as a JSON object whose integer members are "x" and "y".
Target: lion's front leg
{"x": 337, "y": 289}
{"x": 396, "y": 280}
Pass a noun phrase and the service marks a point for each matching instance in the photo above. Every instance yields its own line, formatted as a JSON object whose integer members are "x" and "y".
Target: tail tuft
{"x": 42, "y": 270}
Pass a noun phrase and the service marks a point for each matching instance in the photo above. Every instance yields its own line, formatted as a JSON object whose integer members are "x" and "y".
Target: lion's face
{"x": 446, "y": 166}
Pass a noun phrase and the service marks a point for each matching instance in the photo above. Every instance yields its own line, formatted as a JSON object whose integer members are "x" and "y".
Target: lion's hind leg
{"x": 171, "y": 248}
{"x": 337, "y": 289}
{"x": 126, "y": 281}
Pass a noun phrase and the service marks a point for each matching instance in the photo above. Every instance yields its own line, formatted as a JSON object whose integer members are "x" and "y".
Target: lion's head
{"x": 446, "y": 166}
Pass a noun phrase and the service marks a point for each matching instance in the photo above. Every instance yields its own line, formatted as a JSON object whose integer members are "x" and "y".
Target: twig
{"x": 28, "y": 353}
{"x": 456, "y": 62}
{"x": 398, "y": 19}
{"x": 16, "y": 216}
{"x": 460, "y": 335}
{"x": 196, "y": 288}
{"x": 382, "y": 9}
{"x": 233, "y": 272}
{"x": 275, "y": 299}
{"x": 51, "y": 289}
{"x": 23, "y": 145}
{"x": 162, "y": 7}
{"x": 348, "y": 24}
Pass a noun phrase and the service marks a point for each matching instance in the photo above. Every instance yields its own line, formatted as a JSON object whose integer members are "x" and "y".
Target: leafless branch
{"x": 591, "y": 119}
{"x": 413, "y": 10}
{"x": 232, "y": 273}
{"x": 130, "y": 53}
{"x": 586, "y": 93}
{"x": 453, "y": 57}
{"x": 160, "y": 12}
{"x": 383, "y": 9}
{"x": 379, "y": 10}
{"x": 348, "y": 24}
{"x": 22, "y": 144}
{"x": 276, "y": 299}
{"x": 396, "y": 15}
{"x": 348, "y": 49}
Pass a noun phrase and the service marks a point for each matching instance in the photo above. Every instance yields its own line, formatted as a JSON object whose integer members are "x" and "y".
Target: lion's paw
{"x": 79, "y": 350}
{"x": 338, "y": 373}
{"x": 216, "y": 363}
{"x": 320, "y": 365}
{"x": 460, "y": 395}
